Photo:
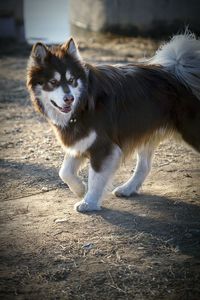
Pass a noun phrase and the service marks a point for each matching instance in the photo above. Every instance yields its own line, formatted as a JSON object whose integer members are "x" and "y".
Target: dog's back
{"x": 100, "y": 112}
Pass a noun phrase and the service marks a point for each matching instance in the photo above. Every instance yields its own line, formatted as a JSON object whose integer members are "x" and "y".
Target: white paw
{"x": 122, "y": 191}
{"x": 83, "y": 206}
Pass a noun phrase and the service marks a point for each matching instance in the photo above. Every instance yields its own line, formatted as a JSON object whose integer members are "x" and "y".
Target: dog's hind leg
{"x": 142, "y": 169}
{"x": 68, "y": 173}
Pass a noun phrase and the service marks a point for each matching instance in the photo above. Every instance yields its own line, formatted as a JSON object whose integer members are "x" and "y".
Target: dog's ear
{"x": 71, "y": 47}
{"x": 39, "y": 52}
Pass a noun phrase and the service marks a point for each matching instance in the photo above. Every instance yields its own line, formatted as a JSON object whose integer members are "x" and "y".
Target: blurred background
{"x": 53, "y": 21}
{"x": 146, "y": 247}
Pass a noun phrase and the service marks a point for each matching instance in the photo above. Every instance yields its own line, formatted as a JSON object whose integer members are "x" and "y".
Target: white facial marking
{"x": 57, "y": 95}
{"x": 68, "y": 75}
{"x": 53, "y": 113}
{"x": 57, "y": 76}
{"x": 82, "y": 145}
{"x": 76, "y": 92}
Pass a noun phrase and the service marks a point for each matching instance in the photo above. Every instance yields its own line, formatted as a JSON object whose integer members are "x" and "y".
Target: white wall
{"x": 46, "y": 21}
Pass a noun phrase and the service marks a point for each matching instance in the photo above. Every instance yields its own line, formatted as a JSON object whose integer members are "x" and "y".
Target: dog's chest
{"x": 82, "y": 145}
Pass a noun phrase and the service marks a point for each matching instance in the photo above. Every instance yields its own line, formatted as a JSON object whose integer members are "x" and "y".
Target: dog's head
{"x": 57, "y": 80}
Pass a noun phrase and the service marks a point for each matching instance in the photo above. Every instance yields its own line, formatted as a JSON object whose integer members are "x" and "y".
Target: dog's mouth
{"x": 65, "y": 109}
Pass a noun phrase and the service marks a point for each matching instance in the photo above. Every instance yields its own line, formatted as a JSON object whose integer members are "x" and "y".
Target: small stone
{"x": 60, "y": 220}
{"x": 45, "y": 189}
{"x": 88, "y": 246}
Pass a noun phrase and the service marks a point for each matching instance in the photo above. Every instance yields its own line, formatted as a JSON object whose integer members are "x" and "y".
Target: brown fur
{"x": 126, "y": 105}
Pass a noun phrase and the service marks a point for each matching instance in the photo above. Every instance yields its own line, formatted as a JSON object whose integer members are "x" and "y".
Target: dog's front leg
{"x": 68, "y": 173}
{"x": 98, "y": 180}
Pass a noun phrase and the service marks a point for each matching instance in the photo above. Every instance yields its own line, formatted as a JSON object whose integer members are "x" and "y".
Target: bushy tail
{"x": 181, "y": 56}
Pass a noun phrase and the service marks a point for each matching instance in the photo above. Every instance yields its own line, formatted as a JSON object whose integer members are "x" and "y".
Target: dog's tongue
{"x": 66, "y": 109}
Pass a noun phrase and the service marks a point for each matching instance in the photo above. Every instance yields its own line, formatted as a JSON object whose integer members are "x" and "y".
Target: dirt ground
{"x": 145, "y": 247}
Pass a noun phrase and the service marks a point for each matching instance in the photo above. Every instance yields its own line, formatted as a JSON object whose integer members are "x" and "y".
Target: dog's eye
{"x": 53, "y": 81}
{"x": 72, "y": 81}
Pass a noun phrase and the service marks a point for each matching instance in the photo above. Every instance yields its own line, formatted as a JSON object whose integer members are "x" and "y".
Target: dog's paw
{"x": 120, "y": 192}
{"x": 83, "y": 206}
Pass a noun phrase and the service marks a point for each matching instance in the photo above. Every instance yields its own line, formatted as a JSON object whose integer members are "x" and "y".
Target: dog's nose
{"x": 68, "y": 98}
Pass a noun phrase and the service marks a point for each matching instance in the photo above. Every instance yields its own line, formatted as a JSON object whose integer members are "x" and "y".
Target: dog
{"x": 105, "y": 112}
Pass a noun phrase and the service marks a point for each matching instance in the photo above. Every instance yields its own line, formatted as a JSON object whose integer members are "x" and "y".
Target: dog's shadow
{"x": 172, "y": 221}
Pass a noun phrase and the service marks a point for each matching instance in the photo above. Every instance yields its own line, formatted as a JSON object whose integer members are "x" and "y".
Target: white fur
{"x": 57, "y": 95}
{"x": 76, "y": 92}
{"x": 98, "y": 181}
{"x": 57, "y": 76}
{"x": 53, "y": 113}
{"x": 181, "y": 56}
{"x": 68, "y": 75}
{"x": 82, "y": 145}
{"x": 68, "y": 173}
{"x": 143, "y": 167}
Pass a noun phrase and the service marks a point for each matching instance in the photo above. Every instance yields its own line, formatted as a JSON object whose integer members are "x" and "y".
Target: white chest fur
{"x": 82, "y": 145}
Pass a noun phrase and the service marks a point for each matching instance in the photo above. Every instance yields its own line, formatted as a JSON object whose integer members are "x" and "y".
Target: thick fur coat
{"x": 105, "y": 112}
